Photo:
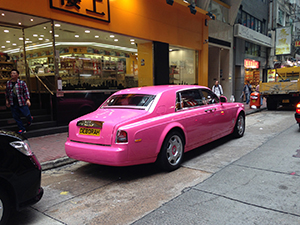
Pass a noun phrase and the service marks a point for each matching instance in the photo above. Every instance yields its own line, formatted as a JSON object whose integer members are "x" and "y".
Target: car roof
{"x": 154, "y": 90}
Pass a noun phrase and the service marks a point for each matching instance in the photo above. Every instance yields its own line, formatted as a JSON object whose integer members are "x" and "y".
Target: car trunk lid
{"x": 98, "y": 127}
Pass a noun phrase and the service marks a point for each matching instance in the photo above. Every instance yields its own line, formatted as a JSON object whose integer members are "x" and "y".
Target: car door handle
{"x": 211, "y": 110}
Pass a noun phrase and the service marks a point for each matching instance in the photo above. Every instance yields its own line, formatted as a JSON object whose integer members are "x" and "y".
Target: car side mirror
{"x": 223, "y": 99}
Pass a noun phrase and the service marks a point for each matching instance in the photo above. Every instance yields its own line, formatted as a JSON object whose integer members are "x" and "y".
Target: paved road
{"x": 204, "y": 187}
{"x": 261, "y": 187}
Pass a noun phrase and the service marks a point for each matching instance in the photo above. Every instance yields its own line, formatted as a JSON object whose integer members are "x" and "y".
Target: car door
{"x": 193, "y": 116}
{"x": 219, "y": 117}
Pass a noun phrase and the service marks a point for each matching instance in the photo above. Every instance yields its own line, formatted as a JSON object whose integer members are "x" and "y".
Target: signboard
{"x": 283, "y": 40}
{"x": 96, "y": 9}
{"x": 248, "y": 63}
{"x": 78, "y": 50}
{"x": 271, "y": 75}
{"x": 297, "y": 43}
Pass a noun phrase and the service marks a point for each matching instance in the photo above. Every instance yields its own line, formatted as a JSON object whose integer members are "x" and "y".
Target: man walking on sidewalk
{"x": 18, "y": 99}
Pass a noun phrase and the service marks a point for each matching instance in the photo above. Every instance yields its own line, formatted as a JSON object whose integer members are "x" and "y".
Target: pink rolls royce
{"x": 153, "y": 124}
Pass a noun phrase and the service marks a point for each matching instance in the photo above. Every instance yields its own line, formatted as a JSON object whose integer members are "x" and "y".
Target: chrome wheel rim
{"x": 240, "y": 125}
{"x": 1, "y": 209}
{"x": 174, "y": 150}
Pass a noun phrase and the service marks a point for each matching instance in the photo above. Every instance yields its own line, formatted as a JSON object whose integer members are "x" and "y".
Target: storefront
{"x": 70, "y": 47}
{"x": 250, "y": 57}
{"x": 252, "y": 73}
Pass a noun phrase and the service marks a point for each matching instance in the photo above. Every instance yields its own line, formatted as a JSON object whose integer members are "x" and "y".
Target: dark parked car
{"x": 20, "y": 175}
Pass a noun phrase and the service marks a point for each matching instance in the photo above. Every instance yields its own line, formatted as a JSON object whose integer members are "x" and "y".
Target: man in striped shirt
{"x": 18, "y": 99}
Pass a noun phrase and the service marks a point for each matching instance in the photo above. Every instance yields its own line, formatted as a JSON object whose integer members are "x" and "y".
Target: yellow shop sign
{"x": 97, "y": 9}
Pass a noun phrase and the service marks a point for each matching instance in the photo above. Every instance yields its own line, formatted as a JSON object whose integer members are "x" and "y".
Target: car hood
{"x": 110, "y": 119}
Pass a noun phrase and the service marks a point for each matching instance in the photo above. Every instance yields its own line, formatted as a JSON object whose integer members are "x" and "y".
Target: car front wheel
{"x": 239, "y": 128}
{"x": 171, "y": 153}
{"x": 5, "y": 207}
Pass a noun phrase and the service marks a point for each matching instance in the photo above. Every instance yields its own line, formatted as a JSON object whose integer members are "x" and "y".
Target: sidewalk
{"x": 50, "y": 149}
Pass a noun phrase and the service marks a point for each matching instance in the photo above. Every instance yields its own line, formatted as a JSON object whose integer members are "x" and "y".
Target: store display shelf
{"x": 10, "y": 63}
{"x": 109, "y": 70}
{"x": 39, "y": 57}
{"x": 40, "y": 75}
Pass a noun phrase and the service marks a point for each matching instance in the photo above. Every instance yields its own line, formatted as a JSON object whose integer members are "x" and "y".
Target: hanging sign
{"x": 248, "y": 63}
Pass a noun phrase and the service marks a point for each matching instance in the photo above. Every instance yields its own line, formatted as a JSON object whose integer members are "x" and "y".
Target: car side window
{"x": 208, "y": 97}
{"x": 189, "y": 98}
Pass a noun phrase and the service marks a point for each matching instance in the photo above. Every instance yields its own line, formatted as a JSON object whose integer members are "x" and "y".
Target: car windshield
{"x": 129, "y": 100}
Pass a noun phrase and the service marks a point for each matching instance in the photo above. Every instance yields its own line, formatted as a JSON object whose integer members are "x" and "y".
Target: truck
{"x": 282, "y": 89}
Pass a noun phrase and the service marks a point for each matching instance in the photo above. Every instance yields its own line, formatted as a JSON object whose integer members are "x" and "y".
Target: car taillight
{"x": 298, "y": 108}
{"x": 22, "y": 146}
{"x": 121, "y": 136}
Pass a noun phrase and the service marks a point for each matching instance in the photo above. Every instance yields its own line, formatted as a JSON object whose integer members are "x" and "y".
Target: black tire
{"x": 171, "y": 153}
{"x": 239, "y": 128}
{"x": 5, "y": 207}
{"x": 271, "y": 104}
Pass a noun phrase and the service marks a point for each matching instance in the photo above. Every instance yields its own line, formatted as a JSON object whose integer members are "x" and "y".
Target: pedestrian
{"x": 18, "y": 100}
{"x": 217, "y": 89}
{"x": 247, "y": 91}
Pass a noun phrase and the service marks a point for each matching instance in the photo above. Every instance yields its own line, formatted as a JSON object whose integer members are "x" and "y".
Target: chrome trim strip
{"x": 90, "y": 123}
{"x": 81, "y": 142}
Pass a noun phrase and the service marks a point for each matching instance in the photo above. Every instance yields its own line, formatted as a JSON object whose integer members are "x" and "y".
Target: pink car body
{"x": 164, "y": 117}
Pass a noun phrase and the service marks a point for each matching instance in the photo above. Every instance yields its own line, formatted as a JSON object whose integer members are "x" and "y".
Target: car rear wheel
{"x": 171, "y": 153}
{"x": 5, "y": 207}
{"x": 239, "y": 128}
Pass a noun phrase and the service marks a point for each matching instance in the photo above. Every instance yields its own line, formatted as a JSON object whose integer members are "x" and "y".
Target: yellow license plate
{"x": 89, "y": 131}
{"x": 285, "y": 101}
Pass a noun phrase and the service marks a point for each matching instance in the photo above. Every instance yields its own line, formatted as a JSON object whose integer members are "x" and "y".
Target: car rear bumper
{"x": 34, "y": 200}
{"x": 103, "y": 155}
{"x": 297, "y": 117}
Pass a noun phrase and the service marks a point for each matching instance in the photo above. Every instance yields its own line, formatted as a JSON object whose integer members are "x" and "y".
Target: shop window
{"x": 9, "y": 61}
{"x": 251, "y": 22}
{"x": 258, "y": 28}
{"x": 94, "y": 59}
{"x": 182, "y": 66}
{"x": 35, "y": 38}
{"x": 244, "y": 18}
{"x": 248, "y": 21}
{"x": 263, "y": 27}
{"x": 280, "y": 17}
{"x": 255, "y": 25}
{"x": 252, "y": 49}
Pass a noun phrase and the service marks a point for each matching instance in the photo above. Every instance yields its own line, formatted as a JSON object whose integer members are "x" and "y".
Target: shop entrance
{"x": 218, "y": 68}
{"x": 252, "y": 73}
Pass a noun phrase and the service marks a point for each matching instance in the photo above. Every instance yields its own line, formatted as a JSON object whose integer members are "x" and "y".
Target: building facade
{"x": 75, "y": 47}
{"x": 284, "y": 16}
{"x": 251, "y": 43}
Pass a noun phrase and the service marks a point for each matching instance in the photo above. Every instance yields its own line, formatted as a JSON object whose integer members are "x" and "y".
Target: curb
{"x": 256, "y": 110}
{"x": 57, "y": 163}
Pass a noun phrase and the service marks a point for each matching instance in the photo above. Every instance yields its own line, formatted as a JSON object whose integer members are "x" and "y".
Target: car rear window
{"x": 140, "y": 100}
